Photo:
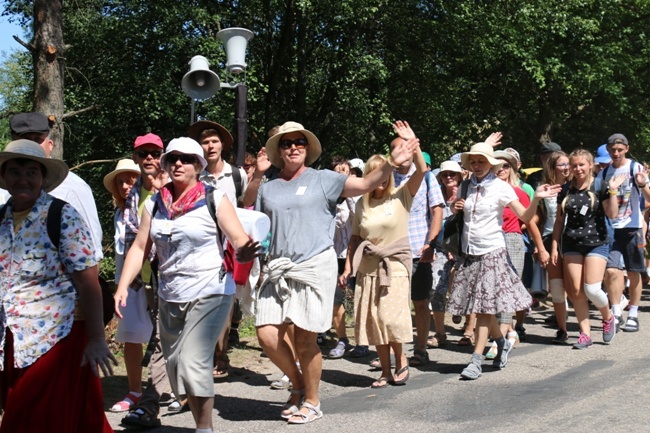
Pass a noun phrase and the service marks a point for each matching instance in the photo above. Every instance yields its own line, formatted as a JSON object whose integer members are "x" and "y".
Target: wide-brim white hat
{"x": 483, "y": 149}
{"x": 123, "y": 166}
{"x": 313, "y": 148}
{"x": 56, "y": 170}
{"x": 187, "y": 146}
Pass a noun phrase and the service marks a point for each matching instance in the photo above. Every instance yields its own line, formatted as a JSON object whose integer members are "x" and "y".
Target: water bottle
{"x": 265, "y": 244}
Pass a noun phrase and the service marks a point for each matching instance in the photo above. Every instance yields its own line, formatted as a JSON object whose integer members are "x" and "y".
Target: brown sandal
{"x": 467, "y": 340}
{"x": 437, "y": 340}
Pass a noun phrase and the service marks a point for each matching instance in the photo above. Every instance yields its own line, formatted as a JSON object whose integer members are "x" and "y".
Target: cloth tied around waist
{"x": 399, "y": 250}
{"x": 279, "y": 270}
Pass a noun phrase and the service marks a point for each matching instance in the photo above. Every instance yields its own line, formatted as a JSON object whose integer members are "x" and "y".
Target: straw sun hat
{"x": 482, "y": 149}
{"x": 57, "y": 170}
{"x": 313, "y": 149}
{"x": 123, "y": 166}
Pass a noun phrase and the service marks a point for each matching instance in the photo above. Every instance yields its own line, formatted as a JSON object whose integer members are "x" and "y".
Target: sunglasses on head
{"x": 144, "y": 153}
{"x": 300, "y": 143}
{"x": 182, "y": 157}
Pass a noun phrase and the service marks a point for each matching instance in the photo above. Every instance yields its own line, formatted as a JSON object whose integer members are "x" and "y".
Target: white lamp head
{"x": 235, "y": 39}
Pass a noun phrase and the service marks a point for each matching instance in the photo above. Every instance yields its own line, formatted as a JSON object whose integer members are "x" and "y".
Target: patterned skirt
{"x": 487, "y": 284}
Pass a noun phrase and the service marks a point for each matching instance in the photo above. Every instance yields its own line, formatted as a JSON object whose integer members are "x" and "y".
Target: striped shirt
{"x": 429, "y": 195}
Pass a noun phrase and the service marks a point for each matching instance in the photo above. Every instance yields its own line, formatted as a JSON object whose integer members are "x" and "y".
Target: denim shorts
{"x": 629, "y": 249}
{"x": 586, "y": 251}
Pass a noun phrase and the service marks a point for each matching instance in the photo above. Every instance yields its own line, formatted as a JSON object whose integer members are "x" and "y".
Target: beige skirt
{"x": 383, "y": 314}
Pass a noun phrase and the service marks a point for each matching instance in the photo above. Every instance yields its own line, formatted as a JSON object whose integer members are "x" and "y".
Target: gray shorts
{"x": 188, "y": 334}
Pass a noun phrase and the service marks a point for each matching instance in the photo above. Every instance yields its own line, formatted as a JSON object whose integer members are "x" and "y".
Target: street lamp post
{"x": 201, "y": 83}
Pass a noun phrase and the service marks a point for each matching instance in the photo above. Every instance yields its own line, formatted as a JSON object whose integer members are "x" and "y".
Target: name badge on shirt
{"x": 166, "y": 230}
{"x": 583, "y": 210}
{"x": 301, "y": 190}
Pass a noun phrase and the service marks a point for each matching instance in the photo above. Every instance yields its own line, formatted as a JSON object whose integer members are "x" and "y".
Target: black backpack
{"x": 54, "y": 233}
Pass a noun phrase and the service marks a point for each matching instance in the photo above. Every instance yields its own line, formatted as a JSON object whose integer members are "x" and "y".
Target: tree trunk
{"x": 47, "y": 53}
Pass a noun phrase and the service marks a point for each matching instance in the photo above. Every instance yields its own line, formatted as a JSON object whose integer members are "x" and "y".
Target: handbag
{"x": 453, "y": 230}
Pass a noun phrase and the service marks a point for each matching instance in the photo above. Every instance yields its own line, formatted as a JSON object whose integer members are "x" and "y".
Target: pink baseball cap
{"x": 148, "y": 139}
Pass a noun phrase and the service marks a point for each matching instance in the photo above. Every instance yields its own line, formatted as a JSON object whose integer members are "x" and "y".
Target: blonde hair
{"x": 118, "y": 201}
{"x": 513, "y": 177}
{"x": 373, "y": 163}
{"x": 589, "y": 157}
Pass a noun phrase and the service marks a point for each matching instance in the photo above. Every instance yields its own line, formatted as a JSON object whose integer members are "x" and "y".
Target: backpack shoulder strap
{"x": 464, "y": 186}
{"x": 54, "y": 221}
{"x": 632, "y": 164}
{"x": 212, "y": 209}
{"x": 236, "y": 178}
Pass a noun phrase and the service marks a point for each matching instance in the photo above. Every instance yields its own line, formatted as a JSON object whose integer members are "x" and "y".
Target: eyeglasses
{"x": 182, "y": 157}
{"x": 300, "y": 143}
{"x": 144, "y": 153}
{"x": 565, "y": 165}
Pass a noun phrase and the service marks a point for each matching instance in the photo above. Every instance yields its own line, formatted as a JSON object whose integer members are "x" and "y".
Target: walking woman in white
{"x": 195, "y": 295}
{"x": 556, "y": 171}
{"x": 484, "y": 282}
{"x": 134, "y": 329}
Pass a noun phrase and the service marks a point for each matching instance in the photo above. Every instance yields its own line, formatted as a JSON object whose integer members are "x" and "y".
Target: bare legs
{"x": 133, "y": 364}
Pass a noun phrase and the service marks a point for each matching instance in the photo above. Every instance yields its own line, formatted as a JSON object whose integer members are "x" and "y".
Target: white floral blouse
{"x": 38, "y": 295}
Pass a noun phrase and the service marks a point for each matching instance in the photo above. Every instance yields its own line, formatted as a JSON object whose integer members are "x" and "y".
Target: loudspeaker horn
{"x": 235, "y": 39}
{"x": 200, "y": 82}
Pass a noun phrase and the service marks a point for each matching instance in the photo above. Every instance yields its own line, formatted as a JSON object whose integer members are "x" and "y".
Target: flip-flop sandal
{"x": 402, "y": 381}
{"x": 436, "y": 340}
{"x": 382, "y": 382}
{"x": 219, "y": 373}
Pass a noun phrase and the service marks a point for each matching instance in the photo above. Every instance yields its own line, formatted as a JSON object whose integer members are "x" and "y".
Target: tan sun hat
{"x": 510, "y": 157}
{"x": 313, "y": 149}
{"x": 482, "y": 149}
{"x": 198, "y": 127}
{"x": 123, "y": 166}
{"x": 57, "y": 170}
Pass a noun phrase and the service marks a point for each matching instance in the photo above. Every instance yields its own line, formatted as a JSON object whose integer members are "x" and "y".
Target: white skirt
{"x": 135, "y": 325}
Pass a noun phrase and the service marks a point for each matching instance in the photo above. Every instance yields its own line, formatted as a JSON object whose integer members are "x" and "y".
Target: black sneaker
{"x": 233, "y": 337}
{"x": 561, "y": 337}
{"x": 521, "y": 331}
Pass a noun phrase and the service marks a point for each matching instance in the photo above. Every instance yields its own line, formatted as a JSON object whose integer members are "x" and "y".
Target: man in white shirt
{"x": 35, "y": 127}
{"x": 216, "y": 142}
{"x": 629, "y": 241}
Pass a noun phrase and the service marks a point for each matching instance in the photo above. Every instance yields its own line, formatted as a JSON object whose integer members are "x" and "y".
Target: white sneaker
{"x": 624, "y": 302}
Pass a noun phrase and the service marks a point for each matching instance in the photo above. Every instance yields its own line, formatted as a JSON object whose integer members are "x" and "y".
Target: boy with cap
{"x": 36, "y": 127}
{"x": 535, "y": 179}
{"x": 628, "y": 232}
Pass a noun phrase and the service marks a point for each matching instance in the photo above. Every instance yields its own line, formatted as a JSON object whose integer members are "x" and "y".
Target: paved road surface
{"x": 544, "y": 388}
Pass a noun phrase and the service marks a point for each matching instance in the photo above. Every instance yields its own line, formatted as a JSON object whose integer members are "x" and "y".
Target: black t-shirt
{"x": 585, "y": 223}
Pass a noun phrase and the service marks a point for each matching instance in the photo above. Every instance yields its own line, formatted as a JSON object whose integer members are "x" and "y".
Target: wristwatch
{"x": 432, "y": 243}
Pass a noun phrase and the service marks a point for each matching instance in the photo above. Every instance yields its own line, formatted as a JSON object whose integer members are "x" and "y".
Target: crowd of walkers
{"x": 199, "y": 242}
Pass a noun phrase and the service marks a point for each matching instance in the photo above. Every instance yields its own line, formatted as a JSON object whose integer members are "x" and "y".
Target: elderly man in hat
{"x": 628, "y": 231}
{"x": 35, "y": 127}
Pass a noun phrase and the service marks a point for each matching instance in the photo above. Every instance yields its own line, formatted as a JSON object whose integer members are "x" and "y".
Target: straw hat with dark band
{"x": 57, "y": 170}
{"x": 313, "y": 148}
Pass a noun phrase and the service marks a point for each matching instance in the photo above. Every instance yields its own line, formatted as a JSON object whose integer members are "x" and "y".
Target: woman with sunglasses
{"x": 556, "y": 171}
{"x": 195, "y": 296}
{"x": 301, "y": 274}
{"x": 450, "y": 178}
{"x": 512, "y": 228}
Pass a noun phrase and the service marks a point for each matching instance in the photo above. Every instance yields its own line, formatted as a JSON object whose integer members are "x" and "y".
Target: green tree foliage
{"x": 568, "y": 70}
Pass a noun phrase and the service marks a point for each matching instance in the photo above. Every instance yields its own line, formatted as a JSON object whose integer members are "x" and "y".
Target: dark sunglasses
{"x": 144, "y": 153}
{"x": 448, "y": 173}
{"x": 505, "y": 166}
{"x": 183, "y": 158}
{"x": 300, "y": 143}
